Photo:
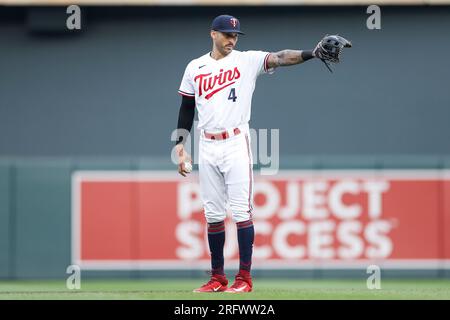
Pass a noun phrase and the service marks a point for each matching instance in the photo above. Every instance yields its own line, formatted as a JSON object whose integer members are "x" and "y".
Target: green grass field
{"x": 263, "y": 289}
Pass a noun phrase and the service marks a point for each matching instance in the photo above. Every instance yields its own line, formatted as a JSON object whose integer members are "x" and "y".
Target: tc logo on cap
{"x": 227, "y": 24}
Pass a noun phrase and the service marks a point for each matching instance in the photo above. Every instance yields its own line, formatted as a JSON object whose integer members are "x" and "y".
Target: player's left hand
{"x": 330, "y": 48}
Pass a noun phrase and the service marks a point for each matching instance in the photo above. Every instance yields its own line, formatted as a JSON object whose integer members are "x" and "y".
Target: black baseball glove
{"x": 329, "y": 49}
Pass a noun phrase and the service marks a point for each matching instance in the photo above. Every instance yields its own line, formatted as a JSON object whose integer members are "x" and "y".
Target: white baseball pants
{"x": 226, "y": 176}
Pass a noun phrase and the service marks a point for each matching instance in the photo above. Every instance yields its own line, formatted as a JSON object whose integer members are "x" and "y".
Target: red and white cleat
{"x": 242, "y": 283}
{"x": 218, "y": 283}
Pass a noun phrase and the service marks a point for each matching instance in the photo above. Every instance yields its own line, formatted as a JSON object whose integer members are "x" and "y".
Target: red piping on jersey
{"x": 191, "y": 95}
{"x": 266, "y": 59}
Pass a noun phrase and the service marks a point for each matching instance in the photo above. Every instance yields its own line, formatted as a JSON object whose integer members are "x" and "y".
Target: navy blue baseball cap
{"x": 226, "y": 23}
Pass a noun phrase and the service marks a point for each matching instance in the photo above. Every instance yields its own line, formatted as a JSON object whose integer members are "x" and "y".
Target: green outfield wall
{"x": 35, "y": 211}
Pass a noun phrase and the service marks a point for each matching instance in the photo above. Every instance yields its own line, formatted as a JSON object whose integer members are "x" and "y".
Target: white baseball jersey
{"x": 223, "y": 88}
{"x": 223, "y": 92}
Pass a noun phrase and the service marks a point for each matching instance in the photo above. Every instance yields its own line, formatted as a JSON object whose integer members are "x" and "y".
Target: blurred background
{"x": 103, "y": 100}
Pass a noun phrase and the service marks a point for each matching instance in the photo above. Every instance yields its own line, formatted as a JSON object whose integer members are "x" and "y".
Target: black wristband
{"x": 307, "y": 54}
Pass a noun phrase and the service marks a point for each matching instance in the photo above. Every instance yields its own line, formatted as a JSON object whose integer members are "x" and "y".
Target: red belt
{"x": 221, "y": 135}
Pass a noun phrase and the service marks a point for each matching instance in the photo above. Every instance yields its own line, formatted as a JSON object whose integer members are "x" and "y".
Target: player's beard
{"x": 228, "y": 48}
{"x": 224, "y": 50}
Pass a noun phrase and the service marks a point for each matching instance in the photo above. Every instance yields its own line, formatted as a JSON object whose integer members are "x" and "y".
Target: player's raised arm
{"x": 328, "y": 50}
{"x": 185, "y": 121}
{"x": 288, "y": 57}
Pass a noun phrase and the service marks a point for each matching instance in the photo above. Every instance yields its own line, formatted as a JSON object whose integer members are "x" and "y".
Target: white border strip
{"x": 89, "y": 176}
{"x": 262, "y": 265}
{"x": 162, "y": 175}
{"x": 76, "y": 219}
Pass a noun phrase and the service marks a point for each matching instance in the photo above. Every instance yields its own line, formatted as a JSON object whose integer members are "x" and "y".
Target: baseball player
{"x": 220, "y": 85}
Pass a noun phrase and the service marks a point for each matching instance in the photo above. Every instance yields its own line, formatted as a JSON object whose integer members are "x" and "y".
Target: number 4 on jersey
{"x": 232, "y": 95}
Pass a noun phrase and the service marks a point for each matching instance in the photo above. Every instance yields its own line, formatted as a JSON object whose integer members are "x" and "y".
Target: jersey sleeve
{"x": 258, "y": 61}
{"x": 187, "y": 87}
